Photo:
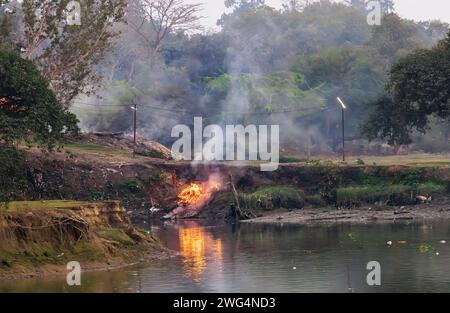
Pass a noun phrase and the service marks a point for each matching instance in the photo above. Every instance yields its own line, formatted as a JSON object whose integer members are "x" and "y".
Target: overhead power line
{"x": 173, "y": 110}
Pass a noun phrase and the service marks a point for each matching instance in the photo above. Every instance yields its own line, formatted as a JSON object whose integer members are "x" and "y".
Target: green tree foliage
{"x": 267, "y": 93}
{"x": 200, "y": 55}
{"x": 395, "y": 38}
{"x": 67, "y": 54}
{"x": 240, "y": 7}
{"x": 28, "y": 108}
{"x": 350, "y": 72}
{"x": 6, "y": 40}
{"x": 418, "y": 87}
{"x": 13, "y": 172}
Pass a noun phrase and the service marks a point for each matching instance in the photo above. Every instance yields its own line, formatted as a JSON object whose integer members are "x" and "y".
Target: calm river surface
{"x": 269, "y": 258}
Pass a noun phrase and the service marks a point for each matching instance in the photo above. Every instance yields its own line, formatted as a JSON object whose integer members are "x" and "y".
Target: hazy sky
{"x": 411, "y": 9}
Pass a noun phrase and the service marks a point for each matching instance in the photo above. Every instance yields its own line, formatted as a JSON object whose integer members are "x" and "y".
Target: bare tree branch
{"x": 153, "y": 20}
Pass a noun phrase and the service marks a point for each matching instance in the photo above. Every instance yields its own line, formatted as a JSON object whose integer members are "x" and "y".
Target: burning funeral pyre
{"x": 193, "y": 197}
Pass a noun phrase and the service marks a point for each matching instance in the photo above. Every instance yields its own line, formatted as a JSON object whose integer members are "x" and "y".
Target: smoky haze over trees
{"x": 263, "y": 66}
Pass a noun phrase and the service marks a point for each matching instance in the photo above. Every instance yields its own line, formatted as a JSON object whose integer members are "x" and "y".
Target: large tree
{"x": 65, "y": 52}
{"x": 418, "y": 88}
{"x": 155, "y": 20}
{"x": 239, "y": 7}
{"x": 29, "y": 110}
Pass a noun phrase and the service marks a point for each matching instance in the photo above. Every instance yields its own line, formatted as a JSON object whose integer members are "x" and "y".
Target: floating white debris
{"x": 437, "y": 253}
{"x": 294, "y": 268}
{"x": 389, "y": 243}
{"x": 442, "y": 241}
{"x": 154, "y": 210}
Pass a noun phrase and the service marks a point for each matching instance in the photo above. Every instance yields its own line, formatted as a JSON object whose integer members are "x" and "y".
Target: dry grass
{"x": 415, "y": 160}
{"x": 15, "y": 206}
{"x": 24, "y": 206}
{"x": 418, "y": 160}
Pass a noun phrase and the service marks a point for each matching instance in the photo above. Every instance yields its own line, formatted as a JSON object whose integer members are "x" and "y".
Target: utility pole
{"x": 134, "y": 108}
{"x": 343, "y": 135}
{"x": 343, "y": 107}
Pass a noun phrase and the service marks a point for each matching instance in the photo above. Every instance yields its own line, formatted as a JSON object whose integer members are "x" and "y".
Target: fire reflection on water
{"x": 199, "y": 250}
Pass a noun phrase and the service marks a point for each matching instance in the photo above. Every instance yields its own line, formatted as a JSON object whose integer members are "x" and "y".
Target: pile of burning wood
{"x": 195, "y": 196}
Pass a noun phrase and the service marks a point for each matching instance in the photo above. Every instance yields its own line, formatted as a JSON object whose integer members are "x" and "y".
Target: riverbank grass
{"x": 270, "y": 197}
{"x": 17, "y": 206}
{"x": 389, "y": 194}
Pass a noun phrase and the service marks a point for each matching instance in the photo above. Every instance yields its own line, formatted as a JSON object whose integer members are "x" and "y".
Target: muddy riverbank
{"x": 39, "y": 238}
{"x": 367, "y": 214}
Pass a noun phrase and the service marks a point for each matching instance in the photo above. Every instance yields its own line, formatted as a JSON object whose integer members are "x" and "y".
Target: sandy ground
{"x": 360, "y": 215}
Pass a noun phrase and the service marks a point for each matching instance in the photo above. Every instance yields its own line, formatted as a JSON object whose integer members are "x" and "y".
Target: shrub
{"x": 390, "y": 194}
{"x": 13, "y": 173}
{"x": 157, "y": 177}
{"x": 132, "y": 186}
{"x": 271, "y": 197}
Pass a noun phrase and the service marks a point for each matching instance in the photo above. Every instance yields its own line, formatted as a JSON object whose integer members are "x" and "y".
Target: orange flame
{"x": 195, "y": 193}
{"x": 191, "y": 194}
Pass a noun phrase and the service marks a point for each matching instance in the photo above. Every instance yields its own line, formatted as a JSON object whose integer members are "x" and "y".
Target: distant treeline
{"x": 263, "y": 65}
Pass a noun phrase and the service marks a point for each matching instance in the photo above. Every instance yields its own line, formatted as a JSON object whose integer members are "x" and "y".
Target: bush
{"x": 132, "y": 186}
{"x": 431, "y": 187}
{"x": 13, "y": 173}
{"x": 412, "y": 177}
{"x": 360, "y": 162}
{"x": 30, "y": 110}
{"x": 272, "y": 197}
{"x": 357, "y": 195}
{"x": 395, "y": 194}
{"x": 157, "y": 177}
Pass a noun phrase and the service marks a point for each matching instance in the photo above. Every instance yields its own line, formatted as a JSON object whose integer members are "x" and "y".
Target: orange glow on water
{"x": 192, "y": 247}
{"x": 199, "y": 251}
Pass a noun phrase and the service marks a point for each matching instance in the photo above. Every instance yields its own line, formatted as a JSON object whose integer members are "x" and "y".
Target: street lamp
{"x": 344, "y": 107}
{"x": 134, "y": 108}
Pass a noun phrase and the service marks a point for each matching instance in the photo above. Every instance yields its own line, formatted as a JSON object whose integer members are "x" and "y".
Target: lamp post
{"x": 134, "y": 108}
{"x": 344, "y": 107}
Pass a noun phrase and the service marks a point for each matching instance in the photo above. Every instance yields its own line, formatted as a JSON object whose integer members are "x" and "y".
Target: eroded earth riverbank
{"x": 39, "y": 238}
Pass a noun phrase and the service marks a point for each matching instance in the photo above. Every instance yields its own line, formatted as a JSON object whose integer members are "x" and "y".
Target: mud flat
{"x": 38, "y": 238}
{"x": 361, "y": 215}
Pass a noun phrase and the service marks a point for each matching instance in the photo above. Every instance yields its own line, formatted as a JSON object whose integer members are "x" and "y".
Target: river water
{"x": 283, "y": 258}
